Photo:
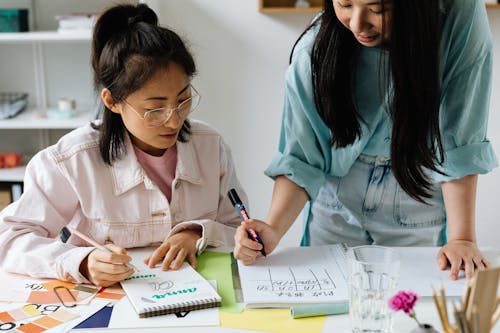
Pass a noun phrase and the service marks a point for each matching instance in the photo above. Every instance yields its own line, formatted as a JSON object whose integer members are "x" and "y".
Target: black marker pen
{"x": 236, "y": 201}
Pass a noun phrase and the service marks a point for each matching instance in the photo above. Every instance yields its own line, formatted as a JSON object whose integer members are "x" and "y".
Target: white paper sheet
{"x": 307, "y": 275}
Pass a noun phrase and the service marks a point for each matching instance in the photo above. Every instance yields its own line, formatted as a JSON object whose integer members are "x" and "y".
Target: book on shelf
{"x": 5, "y": 198}
{"x": 9, "y": 192}
{"x": 76, "y": 22}
{"x": 16, "y": 190}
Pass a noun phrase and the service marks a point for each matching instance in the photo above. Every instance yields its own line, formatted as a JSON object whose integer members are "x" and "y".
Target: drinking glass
{"x": 373, "y": 279}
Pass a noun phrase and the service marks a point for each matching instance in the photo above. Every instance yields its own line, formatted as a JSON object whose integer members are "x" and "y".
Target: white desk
{"x": 425, "y": 309}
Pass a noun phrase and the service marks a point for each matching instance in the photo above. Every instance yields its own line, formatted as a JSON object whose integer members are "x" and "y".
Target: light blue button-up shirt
{"x": 304, "y": 154}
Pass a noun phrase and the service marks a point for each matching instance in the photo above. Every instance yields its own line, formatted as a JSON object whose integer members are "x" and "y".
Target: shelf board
{"x": 28, "y": 120}
{"x": 315, "y": 9}
{"x": 288, "y": 6}
{"x": 290, "y": 10}
{"x": 12, "y": 174}
{"x": 44, "y": 36}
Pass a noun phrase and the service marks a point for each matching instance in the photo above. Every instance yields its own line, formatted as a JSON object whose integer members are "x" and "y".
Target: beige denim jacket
{"x": 69, "y": 184}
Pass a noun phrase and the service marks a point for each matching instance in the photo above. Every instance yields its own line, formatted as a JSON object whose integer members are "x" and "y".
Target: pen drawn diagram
{"x": 296, "y": 282}
{"x": 165, "y": 285}
{"x": 158, "y": 286}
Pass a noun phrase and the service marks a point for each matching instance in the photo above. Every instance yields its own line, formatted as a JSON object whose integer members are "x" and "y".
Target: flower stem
{"x": 414, "y": 316}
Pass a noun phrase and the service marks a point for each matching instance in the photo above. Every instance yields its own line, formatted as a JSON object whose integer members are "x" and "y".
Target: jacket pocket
{"x": 128, "y": 234}
{"x": 106, "y": 231}
{"x": 411, "y": 213}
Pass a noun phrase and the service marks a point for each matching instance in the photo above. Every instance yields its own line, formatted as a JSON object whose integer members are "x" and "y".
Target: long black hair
{"x": 414, "y": 69}
{"x": 128, "y": 48}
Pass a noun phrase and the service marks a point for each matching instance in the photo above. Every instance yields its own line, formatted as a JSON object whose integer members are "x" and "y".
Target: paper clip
{"x": 61, "y": 299}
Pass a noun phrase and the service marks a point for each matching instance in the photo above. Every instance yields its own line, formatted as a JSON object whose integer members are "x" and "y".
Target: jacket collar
{"x": 128, "y": 173}
{"x": 188, "y": 166}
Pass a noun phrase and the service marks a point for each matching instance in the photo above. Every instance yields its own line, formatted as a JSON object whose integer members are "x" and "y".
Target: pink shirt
{"x": 69, "y": 184}
{"x": 161, "y": 169}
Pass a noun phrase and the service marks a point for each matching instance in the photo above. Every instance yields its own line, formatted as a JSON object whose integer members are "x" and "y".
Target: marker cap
{"x": 233, "y": 196}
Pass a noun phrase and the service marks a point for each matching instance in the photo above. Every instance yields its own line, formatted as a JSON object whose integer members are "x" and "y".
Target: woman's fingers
{"x": 178, "y": 259}
{"x": 157, "y": 255}
{"x": 192, "y": 260}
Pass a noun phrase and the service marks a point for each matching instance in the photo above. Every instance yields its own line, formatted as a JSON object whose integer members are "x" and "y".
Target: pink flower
{"x": 404, "y": 300}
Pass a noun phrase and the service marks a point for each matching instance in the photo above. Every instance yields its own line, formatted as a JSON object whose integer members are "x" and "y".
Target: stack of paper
{"x": 76, "y": 22}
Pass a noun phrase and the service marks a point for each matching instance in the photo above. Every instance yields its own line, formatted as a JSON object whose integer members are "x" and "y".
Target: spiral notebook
{"x": 155, "y": 292}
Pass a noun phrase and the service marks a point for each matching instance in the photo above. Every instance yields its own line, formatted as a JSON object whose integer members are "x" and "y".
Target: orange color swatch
{"x": 31, "y": 328}
{"x": 49, "y": 297}
{"x": 47, "y": 322}
{"x": 52, "y": 284}
{"x": 5, "y": 317}
{"x": 107, "y": 295}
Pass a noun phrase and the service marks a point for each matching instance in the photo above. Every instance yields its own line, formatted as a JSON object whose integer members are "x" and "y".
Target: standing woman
{"x": 384, "y": 129}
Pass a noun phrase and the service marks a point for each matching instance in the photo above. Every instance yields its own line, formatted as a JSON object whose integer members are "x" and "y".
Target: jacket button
{"x": 177, "y": 184}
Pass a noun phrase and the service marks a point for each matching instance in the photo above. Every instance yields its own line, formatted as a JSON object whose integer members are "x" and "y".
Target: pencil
{"x": 458, "y": 320}
{"x": 464, "y": 322}
{"x": 495, "y": 317}
{"x": 68, "y": 231}
{"x": 444, "y": 305}
{"x": 465, "y": 303}
{"x": 440, "y": 311}
{"x": 475, "y": 319}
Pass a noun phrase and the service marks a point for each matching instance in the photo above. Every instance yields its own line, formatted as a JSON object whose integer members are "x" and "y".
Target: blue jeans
{"x": 367, "y": 206}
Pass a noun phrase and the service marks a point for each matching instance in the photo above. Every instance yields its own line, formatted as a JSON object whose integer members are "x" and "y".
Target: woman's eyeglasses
{"x": 158, "y": 117}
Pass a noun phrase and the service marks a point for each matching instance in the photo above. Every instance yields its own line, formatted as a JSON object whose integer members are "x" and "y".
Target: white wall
{"x": 242, "y": 56}
{"x": 488, "y": 215}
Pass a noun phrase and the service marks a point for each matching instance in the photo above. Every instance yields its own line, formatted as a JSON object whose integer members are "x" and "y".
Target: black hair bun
{"x": 142, "y": 13}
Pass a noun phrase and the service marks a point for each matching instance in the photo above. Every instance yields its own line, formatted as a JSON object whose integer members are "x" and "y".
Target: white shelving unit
{"x": 12, "y": 174}
{"x": 32, "y": 118}
{"x": 44, "y": 36}
{"x": 47, "y": 65}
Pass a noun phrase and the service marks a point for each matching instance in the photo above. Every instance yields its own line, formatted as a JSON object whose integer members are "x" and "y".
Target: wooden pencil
{"x": 439, "y": 310}
{"x": 475, "y": 319}
{"x": 458, "y": 320}
{"x": 463, "y": 321}
{"x": 444, "y": 305}
{"x": 497, "y": 303}
{"x": 495, "y": 317}
{"x": 465, "y": 303}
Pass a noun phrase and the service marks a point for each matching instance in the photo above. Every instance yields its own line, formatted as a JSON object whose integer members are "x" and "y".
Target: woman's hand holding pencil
{"x": 105, "y": 268}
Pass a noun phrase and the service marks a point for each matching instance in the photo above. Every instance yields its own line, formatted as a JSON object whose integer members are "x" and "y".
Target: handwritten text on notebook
{"x": 296, "y": 282}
